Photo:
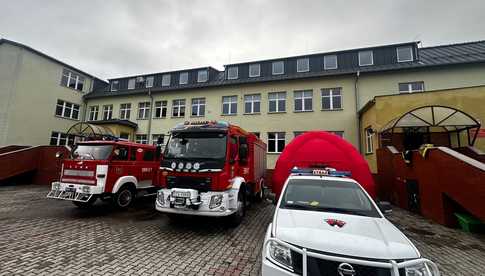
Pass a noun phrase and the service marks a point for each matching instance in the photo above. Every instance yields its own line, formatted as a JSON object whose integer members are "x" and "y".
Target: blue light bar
{"x": 320, "y": 172}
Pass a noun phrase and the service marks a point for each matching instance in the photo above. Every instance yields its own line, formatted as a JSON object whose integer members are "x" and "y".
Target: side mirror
{"x": 59, "y": 154}
{"x": 385, "y": 207}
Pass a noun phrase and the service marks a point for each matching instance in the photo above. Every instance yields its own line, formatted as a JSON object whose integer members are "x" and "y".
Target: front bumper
{"x": 199, "y": 205}
{"x": 73, "y": 192}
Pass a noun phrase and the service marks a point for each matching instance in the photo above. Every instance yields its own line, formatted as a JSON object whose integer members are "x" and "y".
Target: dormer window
{"x": 202, "y": 76}
{"x": 184, "y": 78}
{"x": 278, "y": 68}
{"x": 330, "y": 62}
{"x": 404, "y": 53}
{"x": 254, "y": 70}
{"x": 114, "y": 86}
{"x": 366, "y": 58}
{"x": 302, "y": 65}
{"x": 166, "y": 80}
{"x": 232, "y": 73}
{"x": 131, "y": 84}
{"x": 149, "y": 82}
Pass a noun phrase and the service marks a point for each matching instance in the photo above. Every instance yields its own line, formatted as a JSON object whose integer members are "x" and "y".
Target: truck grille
{"x": 201, "y": 184}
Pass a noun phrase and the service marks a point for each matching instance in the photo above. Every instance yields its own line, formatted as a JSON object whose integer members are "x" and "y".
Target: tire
{"x": 261, "y": 195}
{"x": 124, "y": 197}
{"x": 235, "y": 219}
{"x": 85, "y": 205}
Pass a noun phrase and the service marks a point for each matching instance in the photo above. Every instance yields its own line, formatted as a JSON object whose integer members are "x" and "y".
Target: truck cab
{"x": 211, "y": 168}
{"x": 107, "y": 170}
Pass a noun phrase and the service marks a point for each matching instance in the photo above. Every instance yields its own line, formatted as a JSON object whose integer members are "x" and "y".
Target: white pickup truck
{"x": 326, "y": 224}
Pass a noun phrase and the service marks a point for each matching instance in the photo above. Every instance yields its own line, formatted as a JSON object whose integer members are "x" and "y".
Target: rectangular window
{"x": 366, "y": 58}
{"x": 166, "y": 80}
{"x": 232, "y": 73}
{"x": 202, "y": 76}
{"x": 178, "y": 108}
{"x": 131, "y": 84}
{"x": 184, "y": 78}
{"x": 141, "y": 138}
{"x": 278, "y": 67}
{"x": 149, "y": 82}
{"x": 155, "y": 139}
{"x": 160, "y": 109}
{"x": 61, "y": 139}
{"x": 140, "y": 82}
{"x": 404, "y": 53}
{"x": 276, "y": 142}
{"x": 410, "y": 87}
{"x": 330, "y": 62}
{"x": 229, "y": 105}
{"x": 67, "y": 110}
{"x": 252, "y": 103}
{"x": 107, "y": 112}
{"x": 254, "y": 70}
{"x": 302, "y": 65}
{"x": 93, "y": 113}
{"x": 125, "y": 110}
{"x": 304, "y": 100}
{"x": 143, "y": 110}
{"x": 331, "y": 98}
{"x": 72, "y": 80}
{"x": 277, "y": 101}
{"x": 198, "y": 107}
{"x": 369, "y": 144}
{"x": 115, "y": 86}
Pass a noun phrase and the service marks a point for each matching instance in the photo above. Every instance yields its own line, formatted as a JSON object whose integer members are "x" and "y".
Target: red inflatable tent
{"x": 316, "y": 148}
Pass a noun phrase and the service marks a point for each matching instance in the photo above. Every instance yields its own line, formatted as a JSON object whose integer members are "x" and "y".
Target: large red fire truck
{"x": 108, "y": 170}
{"x": 211, "y": 169}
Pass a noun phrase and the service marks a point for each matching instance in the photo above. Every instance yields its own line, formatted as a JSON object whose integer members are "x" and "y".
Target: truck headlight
{"x": 216, "y": 201}
{"x": 85, "y": 189}
{"x": 419, "y": 270}
{"x": 280, "y": 253}
{"x": 56, "y": 186}
{"x": 161, "y": 198}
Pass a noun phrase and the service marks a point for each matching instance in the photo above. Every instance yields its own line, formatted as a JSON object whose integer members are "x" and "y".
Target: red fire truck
{"x": 108, "y": 170}
{"x": 211, "y": 169}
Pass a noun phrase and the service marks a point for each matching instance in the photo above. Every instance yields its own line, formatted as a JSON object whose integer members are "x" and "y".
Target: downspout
{"x": 149, "y": 138}
{"x": 356, "y": 91}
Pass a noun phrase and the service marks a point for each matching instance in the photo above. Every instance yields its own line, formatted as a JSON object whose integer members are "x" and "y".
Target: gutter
{"x": 149, "y": 138}
{"x": 356, "y": 91}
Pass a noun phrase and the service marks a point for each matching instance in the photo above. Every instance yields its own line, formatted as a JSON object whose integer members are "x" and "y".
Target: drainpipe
{"x": 149, "y": 138}
{"x": 356, "y": 91}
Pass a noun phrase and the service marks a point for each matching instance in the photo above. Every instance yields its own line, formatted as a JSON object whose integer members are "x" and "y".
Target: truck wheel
{"x": 236, "y": 218}
{"x": 85, "y": 205}
{"x": 124, "y": 197}
{"x": 261, "y": 195}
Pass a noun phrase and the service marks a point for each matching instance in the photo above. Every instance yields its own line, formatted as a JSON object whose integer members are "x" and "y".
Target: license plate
{"x": 70, "y": 190}
{"x": 180, "y": 194}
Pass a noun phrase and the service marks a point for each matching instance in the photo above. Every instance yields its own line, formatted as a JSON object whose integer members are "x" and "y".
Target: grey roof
{"x": 444, "y": 55}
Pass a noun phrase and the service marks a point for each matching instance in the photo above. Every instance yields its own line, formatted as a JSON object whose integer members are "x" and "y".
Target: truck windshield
{"x": 197, "y": 145}
{"x": 92, "y": 152}
{"x": 327, "y": 196}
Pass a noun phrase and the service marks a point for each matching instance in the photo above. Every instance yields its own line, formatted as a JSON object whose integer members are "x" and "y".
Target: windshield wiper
{"x": 298, "y": 206}
{"x": 342, "y": 211}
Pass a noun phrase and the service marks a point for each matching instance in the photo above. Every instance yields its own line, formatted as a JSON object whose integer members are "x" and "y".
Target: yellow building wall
{"x": 469, "y": 100}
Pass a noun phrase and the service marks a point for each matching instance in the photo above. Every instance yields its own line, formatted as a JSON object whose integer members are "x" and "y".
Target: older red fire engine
{"x": 115, "y": 170}
{"x": 211, "y": 169}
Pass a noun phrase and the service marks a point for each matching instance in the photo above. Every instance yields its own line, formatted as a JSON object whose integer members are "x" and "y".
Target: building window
{"x": 302, "y": 65}
{"x": 303, "y": 100}
{"x": 369, "y": 146}
{"x": 232, "y": 73}
{"x": 125, "y": 136}
{"x": 252, "y": 103}
{"x": 93, "y": 113}
{"x": 366, "y": 58}
{"x": 410, "y": 87}
{"x": 331, "y": 98}
{"x": 178, "y": 108}
{"x": 141, "y": 139}
{"x": 143, "y": 110}
{"x": 404, "y": 54}
{"x": 278, "y": 67}
{"x": 257, "y": 134}
{"x": 67, "y": 110}
{"x": 131, "y": 84}
{"x": 125, "y": 110}
{"x": 72, "y": 80}
{"x": 166, "y": 80}
{"x": 276, "y": 142}
{"x": 160, "y": 109}
{"x": 229, "y": 105}
{"x": 330, "y": 62}
{"x": 277, "y": 101}
{"x": 155, "y": 139}
{"x": 198, "y": 107}
{"x": 202, "y": 76}
{"x": 184, "y": 78}
{"x": 61, "y": 139}
{"x": 115, "y": 85}
{"x": 107, "y": 112}
{"x": 298, "y": 133}
{"x": 254, "y": 70}
{"x": 149, "y": 82}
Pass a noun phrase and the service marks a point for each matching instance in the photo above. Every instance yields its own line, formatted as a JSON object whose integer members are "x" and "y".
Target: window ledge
{"x": 273, "y": 153}
{"x": 335, "y": 109}
{"x": 156, "y": 118}
{"x": 254, "y": 113}
{"x": 369, "y": 153}
{"x": 66, "y": 118}
{"x": 142, "y": 118}
{"x": 276, "y": 112}
{"x": 229, "y": 114}
{"x": 197, "y": 116}
{"x": 302, "y": 111}
{"x": 177, "y": 117}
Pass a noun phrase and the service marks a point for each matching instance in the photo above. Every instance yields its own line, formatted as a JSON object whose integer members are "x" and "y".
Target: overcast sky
{"x": 118, "y": 38}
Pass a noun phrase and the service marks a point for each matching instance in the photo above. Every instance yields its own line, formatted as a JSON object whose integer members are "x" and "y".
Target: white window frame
{"x": 201, "y": 74}
{"x": 303, "y": 97}
{"x": 143, "y": 107}
{"x": 107, "y": 112}
{"x": 236, "y": 76}
{"x": 166, "y": 79}
{"x": 125, "y": 111}
{"x": 410, "y": 48}
{"x": 229, "y": 102}
{"x": 63, "y": 104}
{"x": 57, "y": 136}
{"x": 259, "y": 70}
{"x": 325, "y": 58}
{"x": 369, "y": 140}
{"x": 141, "y": 138}
{"x": 155, "y": 138}
{"x": 131, "y": 83}
{"x": 273, "y": 67}
{"x": 410, "y": 87}
{"x": 93, "y": 112}
{"x": 149, "y": 82}
{"x": 277, "y": 137}
{"x": 113, "y": 89}
{"x": 278, "y": 97}
{"x": 333, "y": 93}
{"x": 371, "y": 57}
{"x": 307, "y": 62}
{"x": 198, "y": 103}
{"x": 75, "y": 76}
{"x": 178, "y": 105}
{"x": 186, "y": 79}
{"x": 160, "y": 105}
{"x": 252, "y": 99}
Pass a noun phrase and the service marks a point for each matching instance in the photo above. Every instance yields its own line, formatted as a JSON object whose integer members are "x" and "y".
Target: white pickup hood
{"x": 361, "y": 236}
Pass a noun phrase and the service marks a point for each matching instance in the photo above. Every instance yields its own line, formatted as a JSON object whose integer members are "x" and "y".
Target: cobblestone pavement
{"x": 45, "y": 237}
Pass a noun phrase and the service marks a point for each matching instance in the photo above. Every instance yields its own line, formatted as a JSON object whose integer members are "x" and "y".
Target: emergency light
{"x": 320, "y": 172}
